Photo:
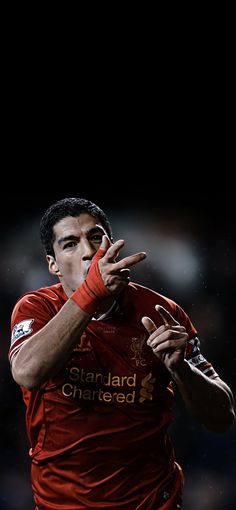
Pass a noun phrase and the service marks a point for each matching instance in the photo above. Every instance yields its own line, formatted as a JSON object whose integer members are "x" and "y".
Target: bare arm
{"x": 210, "y": 401}
{"x": 48, "y": 350}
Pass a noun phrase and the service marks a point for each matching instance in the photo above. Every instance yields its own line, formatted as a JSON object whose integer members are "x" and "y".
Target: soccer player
{"x": 96, "y": 356}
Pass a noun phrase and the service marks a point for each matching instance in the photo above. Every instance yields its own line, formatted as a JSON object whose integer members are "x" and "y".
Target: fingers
{"x": 166, "y": 316}
{"x": 129, "y": 261}
{"x": 115, "y": 275}
{"x": 158, "y": 332}
{"x": 168, "y": 321}
{"x": 113, "y": 252}
{"x": 149, "y": 325}
{"x": 168, "y": 340}
{"x": 105, "y": 244}
{"x": 125, "y": 274}
{"x": 122, "y": 276}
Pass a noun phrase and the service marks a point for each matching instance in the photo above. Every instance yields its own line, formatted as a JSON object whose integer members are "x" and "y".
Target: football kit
{"x": 98, "y": 429}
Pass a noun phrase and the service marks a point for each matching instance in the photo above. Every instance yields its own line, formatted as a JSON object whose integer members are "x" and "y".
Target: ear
{"x": 52, "y": 266}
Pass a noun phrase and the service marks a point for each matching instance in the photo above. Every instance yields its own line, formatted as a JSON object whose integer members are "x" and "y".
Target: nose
{"x": 88, "y": 250}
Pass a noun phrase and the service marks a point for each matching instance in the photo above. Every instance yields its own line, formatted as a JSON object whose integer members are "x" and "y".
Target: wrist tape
{"x": 92, "y": 290}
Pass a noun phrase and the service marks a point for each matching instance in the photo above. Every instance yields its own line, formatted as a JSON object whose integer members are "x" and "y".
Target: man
{"x": 96, "y": 356}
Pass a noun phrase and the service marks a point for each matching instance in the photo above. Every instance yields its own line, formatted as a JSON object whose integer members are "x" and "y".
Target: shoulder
{"x": 148, "y": 297}
{"x": 144, "y": 300}
{"x": 43, "y": 298}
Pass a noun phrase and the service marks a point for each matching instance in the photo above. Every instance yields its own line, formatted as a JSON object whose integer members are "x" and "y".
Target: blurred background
{"x": 190, "y": 244}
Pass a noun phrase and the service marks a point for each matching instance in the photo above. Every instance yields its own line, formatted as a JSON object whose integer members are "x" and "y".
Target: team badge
{"x": 137, "y": 348}
{"x": 23, "y": 328}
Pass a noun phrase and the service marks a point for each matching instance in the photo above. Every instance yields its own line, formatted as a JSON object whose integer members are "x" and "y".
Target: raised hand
{"x": 168, "y": 342}
{"x": 116, "y": 275}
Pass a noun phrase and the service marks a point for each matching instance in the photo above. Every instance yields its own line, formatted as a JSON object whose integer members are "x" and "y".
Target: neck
{"x": 105, "y": 305}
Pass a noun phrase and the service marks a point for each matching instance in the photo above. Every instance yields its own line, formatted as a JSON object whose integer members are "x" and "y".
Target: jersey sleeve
{"x": 30, "y": 314}
{"x": 193, "y": 353}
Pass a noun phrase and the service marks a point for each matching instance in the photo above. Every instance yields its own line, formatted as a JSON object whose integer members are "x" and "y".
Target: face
{"x": 76, "y": 242}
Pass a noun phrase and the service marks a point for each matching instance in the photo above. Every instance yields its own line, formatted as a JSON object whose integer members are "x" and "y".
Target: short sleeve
{"x": 30, "y": 314}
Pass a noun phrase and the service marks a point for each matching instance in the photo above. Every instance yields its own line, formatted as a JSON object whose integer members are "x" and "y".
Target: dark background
{"x": 189, "y": 234}
{"x": 141, "y": 123}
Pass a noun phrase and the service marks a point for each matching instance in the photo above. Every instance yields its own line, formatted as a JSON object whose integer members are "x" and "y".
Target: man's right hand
{"x": 116, "y": 275}
{"x": 105, "y": 277}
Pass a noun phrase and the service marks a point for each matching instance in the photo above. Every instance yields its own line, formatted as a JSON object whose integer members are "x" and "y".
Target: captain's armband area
{"x": 196, "y": 359}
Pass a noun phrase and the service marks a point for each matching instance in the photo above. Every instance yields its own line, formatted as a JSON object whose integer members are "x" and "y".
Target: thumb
{"x": 149, "y": 325}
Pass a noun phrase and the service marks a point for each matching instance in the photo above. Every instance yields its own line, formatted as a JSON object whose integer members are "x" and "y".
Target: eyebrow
{"x": 72, "y": 237}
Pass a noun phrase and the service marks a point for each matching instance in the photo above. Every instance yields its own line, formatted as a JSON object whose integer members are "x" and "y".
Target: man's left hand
{"x": 169, "y": 341}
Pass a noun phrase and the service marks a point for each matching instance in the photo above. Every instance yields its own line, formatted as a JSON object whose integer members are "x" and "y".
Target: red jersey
{"x": 98, "y": 429}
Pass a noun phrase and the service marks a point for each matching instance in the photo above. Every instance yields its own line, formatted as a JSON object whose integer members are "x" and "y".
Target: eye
{"x": 96, "y": 238}
{"x": 70, "y": 244}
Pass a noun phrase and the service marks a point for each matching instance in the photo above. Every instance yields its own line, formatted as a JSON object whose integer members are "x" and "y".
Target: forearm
{"x": 47, "y": 351}
{"x": 210, "y": 401}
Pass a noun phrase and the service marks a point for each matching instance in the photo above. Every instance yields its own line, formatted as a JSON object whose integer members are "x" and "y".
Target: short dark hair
{"x": 68, "y": 207}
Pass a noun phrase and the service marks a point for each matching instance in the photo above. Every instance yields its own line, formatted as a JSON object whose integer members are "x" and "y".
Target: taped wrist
{"x": 92, "y": 290}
